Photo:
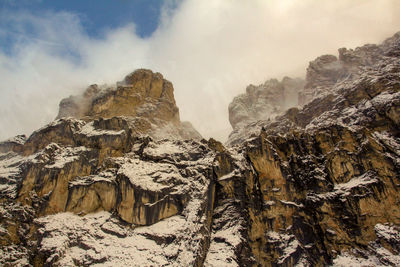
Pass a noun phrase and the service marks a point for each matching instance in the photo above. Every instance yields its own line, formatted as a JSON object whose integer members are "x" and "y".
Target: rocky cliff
{"x": 264, "y": 101}
{"x": 118, "y": 180}
{"x": 143, "y": 100}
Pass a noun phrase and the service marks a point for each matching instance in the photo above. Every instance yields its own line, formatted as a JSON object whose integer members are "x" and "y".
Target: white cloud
{"x": 210, "y": 50}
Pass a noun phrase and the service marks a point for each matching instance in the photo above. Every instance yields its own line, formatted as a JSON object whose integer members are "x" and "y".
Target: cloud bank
{"x": 209, "y": 50}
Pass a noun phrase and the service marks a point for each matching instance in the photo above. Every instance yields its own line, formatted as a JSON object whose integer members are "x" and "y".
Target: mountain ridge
{"x": 118, "y": 179}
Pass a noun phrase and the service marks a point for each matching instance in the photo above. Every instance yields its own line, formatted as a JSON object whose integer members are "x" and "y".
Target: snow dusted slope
{"x": 327, "y": 175}
{"x": 264, "y": 101}
{"x": 80, "y": 186}
{"x": 166, "y": 184}
{"x": 99, "y": 239}
{"x": 364, "y": 92}
{"x": 126, "y": 183}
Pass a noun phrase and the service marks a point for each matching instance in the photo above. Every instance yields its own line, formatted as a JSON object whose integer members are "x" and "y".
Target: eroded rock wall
{"x": 126, "y": 183}
{"x": 264, "y": 101}
{"x": 327, "y": 175}
{"x": 146, "y": 98}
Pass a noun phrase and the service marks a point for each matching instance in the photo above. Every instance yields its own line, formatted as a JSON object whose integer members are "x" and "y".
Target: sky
{"x": 97, "y": 15}
{"x": 209, "y": 50}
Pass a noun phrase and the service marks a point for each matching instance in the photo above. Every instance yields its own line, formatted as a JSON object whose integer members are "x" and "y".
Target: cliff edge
{"x": 117, "y": 179}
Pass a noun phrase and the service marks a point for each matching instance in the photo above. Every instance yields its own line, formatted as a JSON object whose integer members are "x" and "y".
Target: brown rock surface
{"x": 146, "y": 98}
{"x": 322, "y": 182}
{"x": 119, "y": 185}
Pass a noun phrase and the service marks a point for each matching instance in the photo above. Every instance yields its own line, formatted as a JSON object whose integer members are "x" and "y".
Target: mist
{"x": 209, "y": 50}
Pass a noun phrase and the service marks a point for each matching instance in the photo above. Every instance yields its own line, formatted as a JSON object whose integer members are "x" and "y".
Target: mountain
{"x": 310, "y": 175}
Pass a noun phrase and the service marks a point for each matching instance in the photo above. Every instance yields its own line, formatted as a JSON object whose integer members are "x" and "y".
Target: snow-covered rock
{"x": 124, "y": 182}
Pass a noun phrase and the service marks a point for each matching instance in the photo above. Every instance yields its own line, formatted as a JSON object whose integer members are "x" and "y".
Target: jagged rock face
{"x": 132, "y": 181}
{"x": 326, "y": 71}
{"x": 339, "y": 95}
{"x": 13, "y": 144}
{"x": 104, "y": 160}
{"x": 313, "y": 195}
{"x": 89, "y": 170}
{"x": 146, "y": 98}
{"x": 264, "y": 101}
{"x": 322, "y": 74}
{"x": 316, "y": 186}
{"x": 142, "y": 93}
{"x": 325, "y": 187}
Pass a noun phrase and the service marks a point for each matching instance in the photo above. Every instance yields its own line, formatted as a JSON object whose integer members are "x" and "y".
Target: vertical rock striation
{"x": 265, "y": 101}
{"x": 117, "y": 179}
{"x": 104, "y": 155}
{"x": 326, "y": 176}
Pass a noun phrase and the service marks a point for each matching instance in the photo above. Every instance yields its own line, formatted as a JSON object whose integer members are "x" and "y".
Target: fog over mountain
{"x": 210, "y": 50}
{"x": 293, "y": 157}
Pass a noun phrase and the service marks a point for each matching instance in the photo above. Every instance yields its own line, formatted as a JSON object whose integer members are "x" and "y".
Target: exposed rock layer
{"x": 146, "y": 98}
{"x": 328, "y": 174}
{"x": 264, "y": 101}
{"x": 317, "y": 186}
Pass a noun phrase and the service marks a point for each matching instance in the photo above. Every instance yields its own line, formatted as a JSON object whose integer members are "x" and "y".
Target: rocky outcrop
{"x": 152, "y": 182}
{"x": 328, "y": 70}
{"x": 264, "y": 101}
{"x": 141, "y": 94}
{"x": 146, "y": 98}
{"x": 118, "y": 180}
{"x": 14, "y": 144}
{"x": 314, "y": 195}
{"x": 105, "y": 154}
{"x": 326, "y": 176}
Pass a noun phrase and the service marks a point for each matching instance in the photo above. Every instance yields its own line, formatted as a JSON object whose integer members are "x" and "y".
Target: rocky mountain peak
{"x": 118, "y": 180}
{"x": 144, "y": 100}
{"x": 327, "y": 70}
{"x": 264, "y": 101}
{"x": 141, "y": 94}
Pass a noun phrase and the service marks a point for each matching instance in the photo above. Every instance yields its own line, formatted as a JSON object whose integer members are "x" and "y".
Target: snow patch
{"x": 89, "y": 130}
{"x": 63, "y": 156}
{"x": 151, "y": 176}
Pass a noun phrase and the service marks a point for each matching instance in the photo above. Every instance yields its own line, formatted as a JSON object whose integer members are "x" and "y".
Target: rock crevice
{"x": 308, "y": 177}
